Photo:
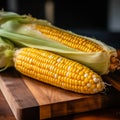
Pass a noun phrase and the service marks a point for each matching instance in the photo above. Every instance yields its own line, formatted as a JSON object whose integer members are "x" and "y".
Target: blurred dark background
{"x": 95, "y": 18}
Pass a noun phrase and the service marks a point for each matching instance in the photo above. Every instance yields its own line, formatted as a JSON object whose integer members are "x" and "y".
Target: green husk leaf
{"x": 6, "y": 54}
{"x": 18, "y": 31}
{"x": 24, "y": 40}
{"x": 5, "y": 16}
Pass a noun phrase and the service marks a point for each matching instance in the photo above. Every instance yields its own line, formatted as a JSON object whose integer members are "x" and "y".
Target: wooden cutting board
{"x": 33, "y": 100}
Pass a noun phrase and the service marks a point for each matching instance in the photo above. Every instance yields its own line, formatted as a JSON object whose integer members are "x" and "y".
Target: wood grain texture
{"x": 5, "y": 112}
{"x": 30, "y": 98}
{"x": 104, "y": 114}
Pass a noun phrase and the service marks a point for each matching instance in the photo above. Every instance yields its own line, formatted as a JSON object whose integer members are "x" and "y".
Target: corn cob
{"x": 66, "y": 38}
{"x": 58, "y": 71}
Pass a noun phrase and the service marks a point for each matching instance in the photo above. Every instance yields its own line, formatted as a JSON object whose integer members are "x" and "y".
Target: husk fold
{"x": 19, "y": 31}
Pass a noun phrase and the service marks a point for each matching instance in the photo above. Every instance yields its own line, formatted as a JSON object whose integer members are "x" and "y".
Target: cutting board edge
{"x": 71, "y": 107}
{"x": 15, "y": 107}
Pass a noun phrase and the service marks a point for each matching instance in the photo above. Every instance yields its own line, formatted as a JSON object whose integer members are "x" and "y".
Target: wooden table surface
{"x": 103, "y": 114}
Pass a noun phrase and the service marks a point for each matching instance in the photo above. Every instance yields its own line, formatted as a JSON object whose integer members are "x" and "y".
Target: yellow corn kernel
{"x": 38, "y": 64}
{"x": 67, "y": 38}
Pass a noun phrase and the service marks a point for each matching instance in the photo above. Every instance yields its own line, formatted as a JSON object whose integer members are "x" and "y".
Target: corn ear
{"x": 23, "y": 31}
{"x": 58, "y": 71}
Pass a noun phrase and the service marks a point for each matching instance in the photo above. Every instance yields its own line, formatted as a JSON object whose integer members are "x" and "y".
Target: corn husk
{"x": 18, "y": 30}
{"x": 6, "y": 54}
